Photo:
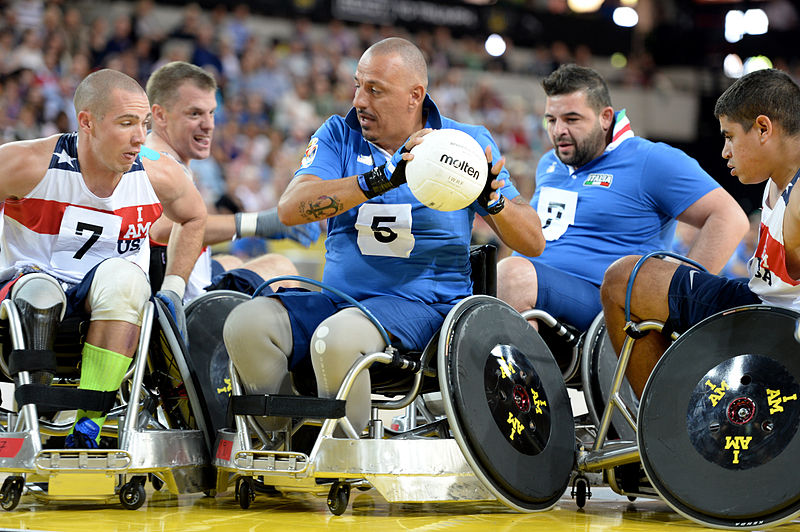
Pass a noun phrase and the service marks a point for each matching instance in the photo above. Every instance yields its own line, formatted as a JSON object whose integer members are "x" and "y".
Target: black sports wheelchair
{"x": 714, "y": 434}
{"x": 156, "y": 429}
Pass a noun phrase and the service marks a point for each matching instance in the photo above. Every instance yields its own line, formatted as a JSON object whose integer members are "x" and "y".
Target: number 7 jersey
{"x": 64, "y": 229}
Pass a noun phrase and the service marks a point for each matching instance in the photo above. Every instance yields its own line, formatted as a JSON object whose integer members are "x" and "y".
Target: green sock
{"x": 101, "y": 370}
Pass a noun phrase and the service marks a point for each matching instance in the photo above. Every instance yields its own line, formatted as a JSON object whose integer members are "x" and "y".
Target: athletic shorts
{"x": 238, "y": 279}
{"x": 566, "y": 297}
{"x": 695, "y": 295}
{"x": 411, "y": 323}
{"x": 76, "y": 294}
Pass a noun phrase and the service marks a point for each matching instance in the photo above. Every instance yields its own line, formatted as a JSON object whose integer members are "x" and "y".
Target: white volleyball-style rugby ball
{"x": 448, "y": 171}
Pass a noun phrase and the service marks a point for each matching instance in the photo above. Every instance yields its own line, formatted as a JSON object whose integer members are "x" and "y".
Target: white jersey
{"x": 64, "y": 229}
{"x": 200, "y": 277}
{"x": 769, "y": 279}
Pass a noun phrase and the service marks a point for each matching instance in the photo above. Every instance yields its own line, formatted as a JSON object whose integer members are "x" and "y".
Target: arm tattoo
{"x": 322, "y": 207}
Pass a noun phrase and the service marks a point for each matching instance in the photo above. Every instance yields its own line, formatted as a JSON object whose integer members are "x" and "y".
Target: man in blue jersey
{"x": 603, "y": 193}
{"x": 404, "y": 262}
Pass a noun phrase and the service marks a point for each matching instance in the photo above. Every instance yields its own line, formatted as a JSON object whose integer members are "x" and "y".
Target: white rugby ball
{"x": 448, "y": 171}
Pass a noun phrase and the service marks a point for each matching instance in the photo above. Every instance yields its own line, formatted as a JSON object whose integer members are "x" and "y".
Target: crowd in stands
{"x": 274, "y": 91}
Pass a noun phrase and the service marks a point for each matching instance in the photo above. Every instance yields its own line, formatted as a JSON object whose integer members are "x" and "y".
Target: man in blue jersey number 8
{"x": 406, "y": 263}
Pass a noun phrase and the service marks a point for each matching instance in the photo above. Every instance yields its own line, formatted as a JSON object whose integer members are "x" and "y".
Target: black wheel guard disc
{"x": 507, "y": 403}
{"x": 719, "y": 416}
{"x": 205, "y": 318}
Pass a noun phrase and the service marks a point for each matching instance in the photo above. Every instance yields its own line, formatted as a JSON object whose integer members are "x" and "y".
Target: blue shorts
{"x": 411, "y": 323}
{"x": 566, "y": 297}
{"x": 76, "y": 294}
{"x": 238, "y": 279}
{"x": 695, "y": 295}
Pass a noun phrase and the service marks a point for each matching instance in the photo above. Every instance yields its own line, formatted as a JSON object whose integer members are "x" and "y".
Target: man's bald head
{"x": 410, "y": 55}
{"x": 93, "y": 93}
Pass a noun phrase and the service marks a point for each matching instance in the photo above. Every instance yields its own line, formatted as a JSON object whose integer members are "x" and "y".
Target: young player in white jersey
{"x": 183, "y": 100}
{"x": 759, "y": 117}
{"x": 77, "y": 209}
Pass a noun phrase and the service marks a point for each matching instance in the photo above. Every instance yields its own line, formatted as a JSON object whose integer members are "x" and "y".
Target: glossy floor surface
{"x": 367, "y": 511}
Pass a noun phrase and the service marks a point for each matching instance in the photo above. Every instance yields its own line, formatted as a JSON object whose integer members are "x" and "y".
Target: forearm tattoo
{"x": 322, "y": 207}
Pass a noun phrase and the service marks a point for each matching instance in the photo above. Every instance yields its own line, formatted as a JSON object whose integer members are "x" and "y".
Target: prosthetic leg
{"x": 42, "y": 303}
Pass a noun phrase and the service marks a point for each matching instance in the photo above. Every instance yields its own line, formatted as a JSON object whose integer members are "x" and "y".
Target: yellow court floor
{"x": 367, "y": 511}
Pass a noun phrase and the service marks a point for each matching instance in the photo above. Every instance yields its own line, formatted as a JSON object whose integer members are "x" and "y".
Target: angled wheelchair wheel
{"x": 598, "y": 365}
{"x": 506, "y": 402}
{"x": 719, "y": 416}
{"x": 208, "y": 358}
{"x": 183, "y": 377}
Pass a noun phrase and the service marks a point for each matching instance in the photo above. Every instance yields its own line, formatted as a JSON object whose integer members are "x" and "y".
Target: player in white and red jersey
{"x": 759, "y": 117}
{"x": 77, "y": 209}
{"x": 183, "y": 100}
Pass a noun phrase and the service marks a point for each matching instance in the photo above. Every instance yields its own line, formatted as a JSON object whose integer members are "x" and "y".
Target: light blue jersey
{"x": 622, "y": 203}
{"x": 392, "y": 244}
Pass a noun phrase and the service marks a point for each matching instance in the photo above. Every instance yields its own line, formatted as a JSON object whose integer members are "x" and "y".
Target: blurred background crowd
{"x": 284, "y": 67}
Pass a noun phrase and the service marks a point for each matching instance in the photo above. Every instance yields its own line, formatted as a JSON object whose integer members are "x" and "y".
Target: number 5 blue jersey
{"x": 392, "y": 244}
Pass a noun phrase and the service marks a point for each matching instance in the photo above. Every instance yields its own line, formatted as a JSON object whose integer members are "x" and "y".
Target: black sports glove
{"x": 385, "y": 177}
{"x": 484, "y": 198}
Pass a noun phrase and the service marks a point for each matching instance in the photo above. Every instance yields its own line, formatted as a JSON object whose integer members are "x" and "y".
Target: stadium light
{"x": 584, "y": 6}
{"x": 732, "y": 66}
{"x": 757, "y": 62}
{"x": 756, "y": 22}
{"x": 626, "y": 17}
{"x": 495, "y": 45}
{"x": 618, "y": 60}
{"x": 750, "y": 22}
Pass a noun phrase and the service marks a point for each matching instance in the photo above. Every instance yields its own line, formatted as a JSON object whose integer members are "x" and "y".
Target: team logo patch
{"x": 598, "y": 180}
{"x": 365, "y": 159}
{"x": 311, "y": 152}
{"x": 551, "y": 168}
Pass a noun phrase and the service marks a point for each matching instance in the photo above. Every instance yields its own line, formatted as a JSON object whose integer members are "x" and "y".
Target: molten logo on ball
{"x": 448, "y": 171}
{"x": 461, "y": 165}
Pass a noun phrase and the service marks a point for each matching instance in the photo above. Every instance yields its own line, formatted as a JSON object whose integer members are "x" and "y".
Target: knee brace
{"x": 41, "y": 302}
{"x": 119, "y": 291}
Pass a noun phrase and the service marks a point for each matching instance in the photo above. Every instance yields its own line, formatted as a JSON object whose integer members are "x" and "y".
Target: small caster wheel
{"x": 631, "y": 498}
{"x": 11, "y": 492}
{"x": 155, "y": 481}
{"x": 339, "y": 498}
{"x": 581, "y": 491}
{"x": 132, "y": 495}
{"x": 245, "y": 492}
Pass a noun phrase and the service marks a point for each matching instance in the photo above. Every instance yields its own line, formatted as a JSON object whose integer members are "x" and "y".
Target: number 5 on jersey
{"x": 385, "y": 230}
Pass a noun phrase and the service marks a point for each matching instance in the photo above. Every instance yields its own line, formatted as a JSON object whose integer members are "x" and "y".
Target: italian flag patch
{"x": 598, "y": 180}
